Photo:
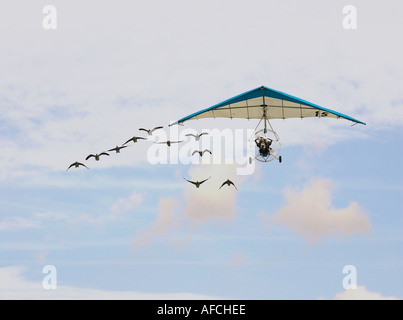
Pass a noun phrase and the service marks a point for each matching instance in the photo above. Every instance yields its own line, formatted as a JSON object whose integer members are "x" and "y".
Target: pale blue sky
{"x": 126, "y": 228}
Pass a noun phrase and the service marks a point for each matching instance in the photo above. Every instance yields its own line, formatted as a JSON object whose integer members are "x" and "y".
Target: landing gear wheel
{"x": 280, "y": 159}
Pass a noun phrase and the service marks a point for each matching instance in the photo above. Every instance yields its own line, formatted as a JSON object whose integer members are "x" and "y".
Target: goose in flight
{"x": 228, "y": 182}
{"x": 168, "y": 143}
{"x": 150, "y": 131}
{"x": 197, "y": 137}
{"x": 96, "y": 156}
{"x": 201, "y": 153}
{"x": 117, "y": 148}
{"x": 134, "y": 139}
{"x": 76, "y": 165}
{"x": 197, "y": 183}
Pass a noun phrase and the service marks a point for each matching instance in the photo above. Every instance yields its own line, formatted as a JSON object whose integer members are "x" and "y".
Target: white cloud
{"x": 19, "y": 223}
{"x": 42, "y": 219}
{"x": 361, "y": 293}
{"x": 209, "y": 202}
{"x": 117, "y": 209}
{"x": 163, "y": 223}
{"x": 50, "y": 216}
{"x": 69, "y": 92}
{"x": 195, "y": 206}
{"x": 14, "y": 286}
{"x": 126, "y": 203}
{"x": 310, "y": 213}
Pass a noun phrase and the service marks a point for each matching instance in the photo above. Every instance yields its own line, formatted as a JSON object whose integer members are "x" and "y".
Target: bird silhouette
{"x": 134, "y": 139}
{"x": 228, "y": 182}
{"x": 197, "y": 183}
{"x": 197, "y": 137}
{"x": 168, "y": 143}
{"x": 96, "y": 156}
{"x": 201, "y": 153}
{"x": 76, "y": 165}
{"x": 150, "y": 131}
{"x": 117, "y": 148}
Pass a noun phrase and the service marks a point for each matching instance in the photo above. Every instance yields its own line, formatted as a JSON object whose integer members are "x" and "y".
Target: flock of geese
{"x": 168, "y": 143}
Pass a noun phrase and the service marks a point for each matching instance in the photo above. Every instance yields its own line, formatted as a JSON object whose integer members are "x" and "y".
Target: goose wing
{"x": 156, "y": 128}
{"x": 230, "y": 182}
{"x": 195, "y": 183}
{"x": 204, "y": 180}
{"x": 82, "y": 164}
{"x": 131, "y": 139}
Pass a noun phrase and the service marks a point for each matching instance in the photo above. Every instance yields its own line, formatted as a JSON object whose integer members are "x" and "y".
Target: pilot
{"x": 264, "y": 145}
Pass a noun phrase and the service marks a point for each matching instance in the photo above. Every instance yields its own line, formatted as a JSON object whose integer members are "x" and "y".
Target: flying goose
{"x": 117, "y": 148}
{"x": 168, "y": 142}
{"x": 96, "y": 156}
{"x": 150, "y": 131}
{"x": 197, "y": 137}
{"x": 134, "y": 139}
{"x": 228, "y": 182}
{"x": 201, "y": 153}
{"x": 197, "y": 183}
{"x": 76, "y": 165}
